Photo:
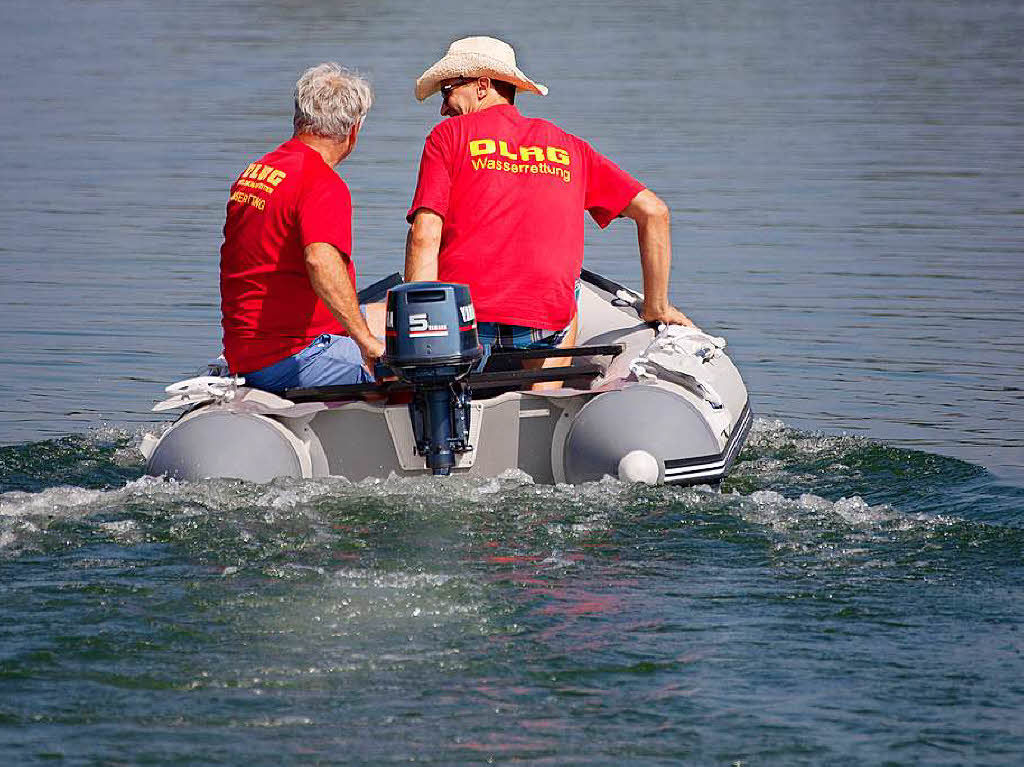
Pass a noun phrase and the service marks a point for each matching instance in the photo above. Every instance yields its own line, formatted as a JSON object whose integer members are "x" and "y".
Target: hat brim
{"x": 473, "y": 65}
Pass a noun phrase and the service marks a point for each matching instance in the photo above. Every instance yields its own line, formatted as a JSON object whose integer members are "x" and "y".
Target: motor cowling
{"x": 431, "y": 326}
{"x": 431, "y": 342}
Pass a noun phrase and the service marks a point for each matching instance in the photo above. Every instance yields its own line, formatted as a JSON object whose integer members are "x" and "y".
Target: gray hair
{"x": 329, "y": 100}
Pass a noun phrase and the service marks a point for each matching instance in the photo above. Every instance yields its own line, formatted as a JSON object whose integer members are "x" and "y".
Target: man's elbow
{"x": 324, "y": 263}
{"x": 422, "y": 241}
{"x": 315, "y": 260}
{"x": 654, "y": 208}
{"x": 425, "y": 231}
{"x": 648, "y": 208}
{"x": 321, "y": 257}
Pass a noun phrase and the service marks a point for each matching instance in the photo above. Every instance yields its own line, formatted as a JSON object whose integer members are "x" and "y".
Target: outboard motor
{"x": 431, "y": 342}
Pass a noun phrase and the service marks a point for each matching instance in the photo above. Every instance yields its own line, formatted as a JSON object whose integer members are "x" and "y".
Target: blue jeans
{"x": 327, "y": 361}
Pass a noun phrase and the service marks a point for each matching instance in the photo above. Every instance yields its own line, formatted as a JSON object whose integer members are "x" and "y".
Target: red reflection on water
{"x": 582, "y": 604}
{"x": 509, "y": 743}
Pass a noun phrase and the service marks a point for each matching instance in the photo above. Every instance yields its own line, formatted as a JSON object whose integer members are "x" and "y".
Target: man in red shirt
{"x": 288, "y": 301}
{"x": 500, "y": 199}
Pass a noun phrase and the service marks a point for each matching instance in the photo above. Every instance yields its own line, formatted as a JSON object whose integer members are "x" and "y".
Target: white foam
{"x": 776, "y": 510}
{"x": 124, "y": 531}
{"x": 773, "y": 433}
{"x": 54, "y": 501}
{"x": 389, "y": 580}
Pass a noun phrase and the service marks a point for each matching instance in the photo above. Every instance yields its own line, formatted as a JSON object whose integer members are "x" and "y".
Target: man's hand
{"x": 667, "y": 316}
{"x": 372, "y": 349}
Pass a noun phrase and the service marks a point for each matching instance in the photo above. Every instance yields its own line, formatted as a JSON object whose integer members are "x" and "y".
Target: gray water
{"x": 845, "y": 180}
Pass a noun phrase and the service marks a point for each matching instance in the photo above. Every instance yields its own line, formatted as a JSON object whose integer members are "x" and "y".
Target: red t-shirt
{"x": 281, "y": 203}
{"x": 512, "y": 191}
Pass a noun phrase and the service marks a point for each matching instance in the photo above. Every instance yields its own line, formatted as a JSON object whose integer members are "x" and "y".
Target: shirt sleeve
{"x": 325, "y": 214}
{"x": 434, "y": 185}
{"x": 609, "y": 188}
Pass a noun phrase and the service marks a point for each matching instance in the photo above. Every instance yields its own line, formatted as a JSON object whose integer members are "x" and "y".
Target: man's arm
{"x": 422, "y": 245}
{"x": 329, "y": 278}
{"x": 652, "y": 224}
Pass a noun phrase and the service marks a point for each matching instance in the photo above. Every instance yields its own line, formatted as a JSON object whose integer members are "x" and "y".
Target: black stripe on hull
{"x": 709, "y": 469}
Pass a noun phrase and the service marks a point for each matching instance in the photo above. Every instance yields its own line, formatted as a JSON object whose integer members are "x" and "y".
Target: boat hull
{"x": 645, "y": 416}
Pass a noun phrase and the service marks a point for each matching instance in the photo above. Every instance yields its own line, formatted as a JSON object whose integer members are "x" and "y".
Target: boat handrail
{"x": 487, "y": 381}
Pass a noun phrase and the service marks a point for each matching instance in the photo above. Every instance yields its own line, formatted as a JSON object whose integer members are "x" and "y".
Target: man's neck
{"x": 492, "y": 99}
{"x": 332, "y": 150}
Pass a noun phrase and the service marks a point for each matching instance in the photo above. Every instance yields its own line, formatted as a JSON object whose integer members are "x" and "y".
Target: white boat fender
{"x": 640, "y": 466}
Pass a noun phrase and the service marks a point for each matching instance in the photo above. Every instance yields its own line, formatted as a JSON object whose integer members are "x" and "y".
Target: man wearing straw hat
{"x": 500, "y": 198}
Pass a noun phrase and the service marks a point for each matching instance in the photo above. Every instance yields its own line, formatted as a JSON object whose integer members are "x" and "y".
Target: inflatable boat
{"x": 638, "y": 403}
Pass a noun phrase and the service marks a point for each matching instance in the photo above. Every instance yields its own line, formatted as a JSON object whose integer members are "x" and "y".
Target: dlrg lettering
{"x": 258, "y": 172}
{"x": 262, "y": 177}
{"x": 525, "y": 160}
{"x": 485, "y": 146}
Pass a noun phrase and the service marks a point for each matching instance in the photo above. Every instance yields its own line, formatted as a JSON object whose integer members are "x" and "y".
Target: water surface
{"x": 844, "y": 178}
{"x": 845, "y": 181}
{"x": 840, "y": 602}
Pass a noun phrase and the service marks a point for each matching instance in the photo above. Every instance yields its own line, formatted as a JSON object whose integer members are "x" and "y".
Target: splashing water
{"x": 502, "y": 618}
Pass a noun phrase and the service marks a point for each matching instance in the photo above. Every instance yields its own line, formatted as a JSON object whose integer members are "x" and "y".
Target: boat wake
{"x": 300, "y": 604}
{"x": 793, "y": 491}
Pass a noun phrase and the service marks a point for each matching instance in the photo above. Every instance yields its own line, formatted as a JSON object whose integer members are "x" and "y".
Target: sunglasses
{"x": 446, "y": 90}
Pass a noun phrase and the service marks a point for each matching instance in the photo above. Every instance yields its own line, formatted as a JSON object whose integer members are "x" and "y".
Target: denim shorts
{"x": 500, "y": 336}
{"x": 329, "y": 360}
{"x": 497, "y": 335}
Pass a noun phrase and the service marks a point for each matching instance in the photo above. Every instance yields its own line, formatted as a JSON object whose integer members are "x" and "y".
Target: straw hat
{"x": 479, "y": 56}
